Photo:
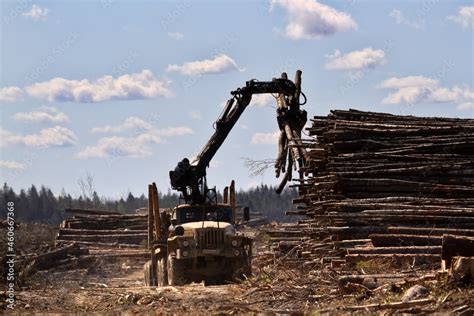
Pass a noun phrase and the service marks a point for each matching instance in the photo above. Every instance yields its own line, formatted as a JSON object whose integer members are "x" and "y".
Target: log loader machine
{"x": 197, "y": 240}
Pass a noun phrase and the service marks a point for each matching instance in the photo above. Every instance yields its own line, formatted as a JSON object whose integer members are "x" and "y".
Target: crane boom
{"x": 189, "y": 177}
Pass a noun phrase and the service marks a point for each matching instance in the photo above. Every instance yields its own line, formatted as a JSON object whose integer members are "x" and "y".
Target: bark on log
{"x": 396, "y": 250}
{"x": 398, "y": 240}
{"x": 226, "y": 195}
{"x": 156, "y": 213}
{"x": 232, "y": 199}
{"x": 343, "y": 244}
{"x": 90, "y": 211}
{"x": 129, "y": 239}
{"x": 462, "y": 269}
{"x": 353, "y": 232}
{"x": 81, "y": 232}
{"x": 104, "y": 224}
{"x": 150, "y": 216}
{"x": 453, "y": 245}
{"x": 112, "y": 217}
{"x": 95, "y": 244}
{"x": 139, "y": 255}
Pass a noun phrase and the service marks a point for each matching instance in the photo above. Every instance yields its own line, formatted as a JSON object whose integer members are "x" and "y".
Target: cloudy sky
{"x": 123, "y": 90}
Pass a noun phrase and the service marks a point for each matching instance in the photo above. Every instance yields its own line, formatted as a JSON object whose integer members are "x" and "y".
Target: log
{"x": 135, "y": 216}
{"x": 117, "y": 238}
{"x": 50, "y": 259}
{"x": 125, "y": 255}
{"x": 368, "y": 218}
{"x": 359, "y": 232}
{"x": 150, "y": 216}
{"x": 343, "y": 244}
{"x": 396, "y": 250}
{"x": 398, "y": 258}
{"x": 137, "y": 228}
{"x": 98, "y": 244}
{"x": 232, "y": 200}
{"x": 462, "y": 269}
{"x": 225, "y": 195}
{"x": 103, "y": 224}
{"x": 466, "y": 213}
{"x": 300, "y": 238}
{"x": 381, "y": 240}
{"x": 81, "y": 232}
{"x": 284, "y": 233}
{"x": 453, "y": 245}
{"x": 156, "y": 213}
{"x": 430, "y": 231}
{"x": 90, "y": 211}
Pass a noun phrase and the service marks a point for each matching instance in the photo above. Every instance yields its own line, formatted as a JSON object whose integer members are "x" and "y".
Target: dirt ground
{"x": 299, "y": 287}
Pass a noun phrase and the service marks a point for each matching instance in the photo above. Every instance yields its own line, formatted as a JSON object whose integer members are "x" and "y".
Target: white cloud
{"x": 420, "y": 89}
{"x": 265, "y": 138}
{"x": 176, "y": 35}
{"x": 219, "y": 64}
{"x": 174, "y": 131}
{"x": 410, "y": 81}
{"x": 119, "y": 147}
{"x": 49, "y": 137}
{"x": 141, "y": 85}
{"x": 135, "y": 147}
{"x": 10, "y": 94}
{"x": 138, "y": 124}
{"x": 309, "y": 19}
{"x": 464, "y": 17}
{"x": 466, "y": 106}
{"x": 195, "y": 115}
{"x": 262, "y": 100}
{"x": 37, "y": 13}
{"x": 401, "y": 19}
{"x": 6, "y": 137}
{"x": 8, "y": 164}
{"x": 130, "y": 123}
{"x": 44, "y": 115}
{"x": 356, "y": 60}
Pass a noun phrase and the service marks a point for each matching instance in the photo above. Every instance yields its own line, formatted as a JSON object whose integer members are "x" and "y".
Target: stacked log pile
{"x": 381, "y": 185}
{"x": 91, "y": 237}
{"x": 106, "y": 234}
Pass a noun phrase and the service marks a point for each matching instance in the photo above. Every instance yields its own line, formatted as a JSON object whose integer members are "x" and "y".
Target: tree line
{"x": 41, "y": 205}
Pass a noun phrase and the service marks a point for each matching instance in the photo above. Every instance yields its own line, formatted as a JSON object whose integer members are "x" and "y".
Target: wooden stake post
{"x": 156, "y": 213}
{"x": 232, "y": 199}
{"x": 150, "y": 216}
{"x": 226, "y": 195}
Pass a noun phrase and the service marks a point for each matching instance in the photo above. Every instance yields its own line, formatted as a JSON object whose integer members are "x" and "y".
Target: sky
{"x": 123, "y": 90}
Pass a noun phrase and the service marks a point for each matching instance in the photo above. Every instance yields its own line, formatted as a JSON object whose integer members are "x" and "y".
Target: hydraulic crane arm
{"x": 189, "y": 178}
{"x": 232, "y": 112}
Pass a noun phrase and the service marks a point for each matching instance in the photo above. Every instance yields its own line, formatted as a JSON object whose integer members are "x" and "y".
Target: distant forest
{"x": 42, "y": 206}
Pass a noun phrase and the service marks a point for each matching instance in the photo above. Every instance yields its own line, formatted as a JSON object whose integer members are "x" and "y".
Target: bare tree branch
{"x": 258, "y": 167}
{"x": 87, "y": 186}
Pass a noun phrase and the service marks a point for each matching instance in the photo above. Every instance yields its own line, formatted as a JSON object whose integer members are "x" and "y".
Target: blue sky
{"x": 123, "y": 90}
